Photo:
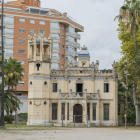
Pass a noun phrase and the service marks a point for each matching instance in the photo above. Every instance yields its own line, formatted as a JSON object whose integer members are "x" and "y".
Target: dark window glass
{"x": 54, "y": 111}
{"x": 119, "y": 109}
{"x": 94, "y": 111}
{"x": 88, "y": 110}
{"x": 21, "y": 51}
{"x": 54, "y": 87}
{"x": 106, "y": 87}
{"x": 63, "y": 111}
{"x": 106, "y": 112}
{"x": 68, "y": 111}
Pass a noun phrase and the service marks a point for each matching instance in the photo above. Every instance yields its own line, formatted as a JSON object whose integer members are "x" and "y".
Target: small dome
{"x": 84, "y": 51}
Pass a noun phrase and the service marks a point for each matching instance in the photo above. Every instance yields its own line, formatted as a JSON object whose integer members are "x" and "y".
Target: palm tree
{"x": 129, "y": 13}
{"x": 13, "y": 74}
{"x": 9, "y": 100}
{"x": 13, "y": 69}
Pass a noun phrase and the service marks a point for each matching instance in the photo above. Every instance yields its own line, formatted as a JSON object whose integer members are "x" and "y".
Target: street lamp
{"x": 126, "y": 101}
{"x": 2, "y": 97}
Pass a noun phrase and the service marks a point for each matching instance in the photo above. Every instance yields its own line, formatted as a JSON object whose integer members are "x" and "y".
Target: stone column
{"x": 98, "y": 112}
{"x": 29, "y": 47}
{"x": 35, "y": 47}
{"x": 41, "y": 46}
{"x": 59, "y": 111}
{"x": 91, "y": 111}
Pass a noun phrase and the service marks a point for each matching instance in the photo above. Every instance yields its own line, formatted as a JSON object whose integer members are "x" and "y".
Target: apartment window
{"x": 22, "y": 73}
{"x": 8, "y": 20}
{"x": 21, "y": 83}
{"x": 32, "y": 21}
{"x": 94, "y": 111}
{"x": 8, "y": 52}
{"x": 106, "y": 87}
{"x": 106, "y": 112}
{"x": 42, "y": 22}
{"x": 22, "y": 41}
{"x": 21, "y": 51}
{"x": 21, "y": 30}
{"x": 8, "y": 31}
{"x": 62, "y": 55}
{"x": 32, "y": 31}
{"x": 63, "y": 46}
{"x": 22, "y": 20}
{"x": 62, "y": 66}
{"x": 63, "y": 37}
{"x": 19, "y": 94}
{"x": 55, "y": 25}
{"x": 9, "y": 41}
{"x": 88, "y": 110}
{"x": 20, "y": 105}
{"x": 21, "y": 61}
{"x": 63, "y": 111}
{"x": 54, "y": 87}
{"x": 54, "y": 111}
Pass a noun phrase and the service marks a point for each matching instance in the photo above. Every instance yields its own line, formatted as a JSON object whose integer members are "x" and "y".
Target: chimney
{"x": 65, "y": 14}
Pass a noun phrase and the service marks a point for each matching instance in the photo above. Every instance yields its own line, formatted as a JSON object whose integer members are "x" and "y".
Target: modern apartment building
{"x": 25, "y": 17}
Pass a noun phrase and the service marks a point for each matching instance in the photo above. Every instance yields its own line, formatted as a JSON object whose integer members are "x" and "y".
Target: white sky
{"x": 97, "y": 17}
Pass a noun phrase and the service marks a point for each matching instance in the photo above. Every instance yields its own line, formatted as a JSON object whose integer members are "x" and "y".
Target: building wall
{"x": 27, "y": 26}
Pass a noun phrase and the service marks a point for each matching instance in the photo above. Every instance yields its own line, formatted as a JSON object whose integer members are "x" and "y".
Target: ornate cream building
{"x": 80, "y": 92}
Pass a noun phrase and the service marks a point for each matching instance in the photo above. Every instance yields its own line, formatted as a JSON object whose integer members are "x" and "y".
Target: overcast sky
{"x": 97, "y": 17}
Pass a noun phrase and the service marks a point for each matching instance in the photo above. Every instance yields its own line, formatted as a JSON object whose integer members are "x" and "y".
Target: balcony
{"x": 56, "y": 49}
{"x": 72, "y": 43}
{"x": 79, "y": 95}
{"x": 71, "y": 52}
{"x": 22, "y": 97}
{"x": 7, "y": 32}
{"x": 55, "y": 27}
{"x": 73, "y": 34}
{"x": 74, "y": 61}
{"x": 7, "y": 43}
{"x": 55, "y": 59}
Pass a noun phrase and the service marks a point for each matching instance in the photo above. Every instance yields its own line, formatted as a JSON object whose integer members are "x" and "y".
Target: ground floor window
{"x": 63, "y": 111}
{"x": 106, "y": 112}
{"x": 68, "y": 111}
{"x": 88, "y": 110}
{"x": 119, "y": 109}
{"x": 54, "y": 111}
{"x": 94, "y": 111}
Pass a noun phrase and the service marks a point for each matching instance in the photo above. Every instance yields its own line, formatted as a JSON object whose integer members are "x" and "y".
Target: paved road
{"x": 72, "y": 134}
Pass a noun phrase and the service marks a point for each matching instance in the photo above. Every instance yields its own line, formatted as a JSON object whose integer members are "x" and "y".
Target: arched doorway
{"x": 77, "y": 110}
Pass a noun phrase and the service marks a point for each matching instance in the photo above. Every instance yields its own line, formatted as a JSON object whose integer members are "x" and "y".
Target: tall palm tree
{"x": 9, "y": 100}
{"x": 13, "y": 74}
{"x": 129, "y": 13}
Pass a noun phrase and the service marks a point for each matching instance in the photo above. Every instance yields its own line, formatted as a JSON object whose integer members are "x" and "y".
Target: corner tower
{"x": 84, "y": 58}
{"x": 39, "y": 59}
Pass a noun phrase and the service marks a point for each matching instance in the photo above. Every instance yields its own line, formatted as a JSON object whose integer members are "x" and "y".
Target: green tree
{"x": 129, "y": 13}
{"x": 9, "y": 101}
{"x": 121, "y": 88}
{"x": 129, "y": 62}
{"x": 13, "y": 74}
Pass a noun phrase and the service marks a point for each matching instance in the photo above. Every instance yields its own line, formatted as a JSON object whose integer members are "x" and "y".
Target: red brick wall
{"x": 27, "y": 26}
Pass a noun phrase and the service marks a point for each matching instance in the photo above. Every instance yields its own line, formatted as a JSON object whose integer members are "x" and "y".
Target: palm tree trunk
{"x": 136, "y": 106}
{"x": 136, "y": 46}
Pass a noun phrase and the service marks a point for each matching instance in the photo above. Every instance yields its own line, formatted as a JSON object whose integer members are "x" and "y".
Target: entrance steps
{"x": 77, "y": 125}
